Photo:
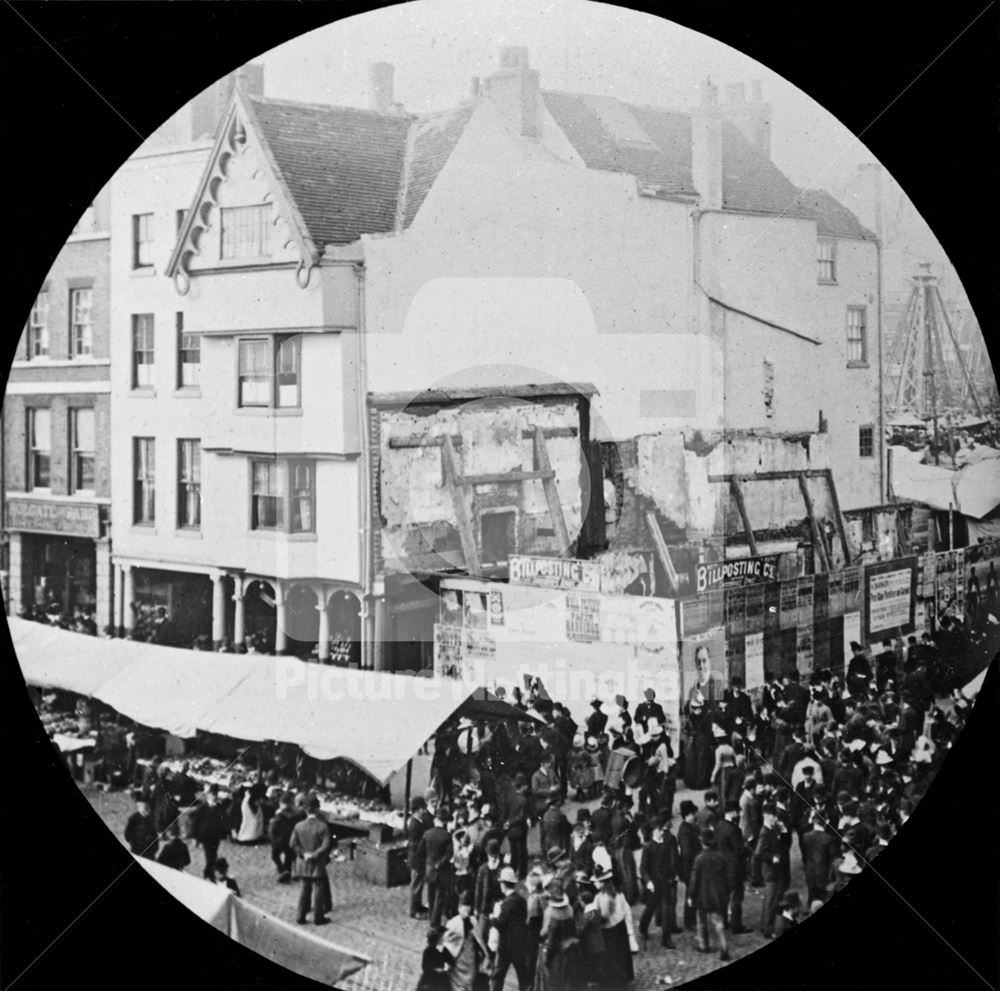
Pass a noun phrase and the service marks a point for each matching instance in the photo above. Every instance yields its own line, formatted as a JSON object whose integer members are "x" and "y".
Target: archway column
{"x": 239, "y": 615}
{"x": 218, "y": 608}
{"x": 280, "y": 617}
{"x": 128, "y": 598}
{"x": 323, "y": 607}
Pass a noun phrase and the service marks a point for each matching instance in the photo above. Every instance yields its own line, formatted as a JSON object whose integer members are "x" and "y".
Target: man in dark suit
{"x": 730, "y": 843}
{"x": 818, "y": 852}
{"x": 311, "y": 844}
{"x": 434, "y": 852}
{"x": 209, "y": 828}
{"x": 658, "y": 876}
{"x": 511, "y": 924}
{"x": 807, "y": 796}
{"x": 649, "y": 709}
{"x": 416, "y": 826}
{"x": 689, "y": 846}
{"x": 769, "y": 853}
{"x": 789, "y": 906}
{"x": 581, "y": 847}
{"x": 516, "y": 827}
{"x": 140, "y": 830}
{"x": 709, "y": 894}
{"x": 555, "y": 827}
{"x": 708, "y": 815}
{"x": 886, "y": 664}
{"x": 600, "y": 820}
{"x": 792, "y": 753}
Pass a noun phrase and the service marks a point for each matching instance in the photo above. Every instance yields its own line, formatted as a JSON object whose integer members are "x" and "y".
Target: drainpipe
{"x": 883, "y": 493}
{"x": 364, "y": 474}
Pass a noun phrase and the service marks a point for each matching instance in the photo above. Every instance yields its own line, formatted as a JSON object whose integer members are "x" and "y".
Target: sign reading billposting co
{"x": 890, "y": 597}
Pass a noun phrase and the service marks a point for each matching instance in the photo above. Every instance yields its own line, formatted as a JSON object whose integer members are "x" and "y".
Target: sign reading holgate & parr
{"x": 42, "y": 516}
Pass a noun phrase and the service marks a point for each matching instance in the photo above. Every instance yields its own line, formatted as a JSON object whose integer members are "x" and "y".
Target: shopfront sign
{"x": 42, "y": 516}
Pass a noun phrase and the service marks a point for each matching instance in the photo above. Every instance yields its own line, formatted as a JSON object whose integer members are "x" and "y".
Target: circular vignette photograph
{"x": 499, "y": 497}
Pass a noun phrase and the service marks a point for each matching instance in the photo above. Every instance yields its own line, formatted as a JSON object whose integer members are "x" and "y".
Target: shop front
{"x": 60, "y": 562}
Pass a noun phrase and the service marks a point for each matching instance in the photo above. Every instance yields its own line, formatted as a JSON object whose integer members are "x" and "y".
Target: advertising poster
{"x": 753, "y": 660}
{"x": 694, "y": 617}
{"x": 789, "y": 606}
{"x": 736, "y": 659}
{"x": 583, "y": 617}
{"x": 703, "y": 659}
{"x": 447, "y": 651}
{"x": 890, "y": 598}
{"x": 944, "y": 583}
{"x": 835, "y": 593}
{"x": 628, "y": 573}
{"x": 960, "y": 584}
{"x": 736, "y": 600}
{"x": 496, "y": 608}
{"x": 852, "y": 589}
{"x": 476, "y": 611}
{"x": 754, "y": 609}
{"x": 852, "y": 633}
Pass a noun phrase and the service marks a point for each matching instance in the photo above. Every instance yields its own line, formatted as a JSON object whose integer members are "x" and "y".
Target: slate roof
{"x": 352, "y": 171}
{"x": 341, "y": 165}
{"x": 751, "y": 182}
{"x": 433, "y": 140}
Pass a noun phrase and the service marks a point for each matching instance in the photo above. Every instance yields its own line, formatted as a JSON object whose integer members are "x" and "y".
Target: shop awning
{"x": 55, "y": 658}
{"x": 374, "y": 719}
{"x": 252, "y": 927}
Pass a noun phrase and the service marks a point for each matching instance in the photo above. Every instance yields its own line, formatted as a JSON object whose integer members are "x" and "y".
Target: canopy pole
{"x": 409, "y": 783}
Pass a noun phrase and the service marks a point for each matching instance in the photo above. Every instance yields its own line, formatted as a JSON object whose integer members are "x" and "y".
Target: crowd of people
{"x": 513, "y": 871}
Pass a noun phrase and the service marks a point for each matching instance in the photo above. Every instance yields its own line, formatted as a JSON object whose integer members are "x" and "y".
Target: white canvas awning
{"x": 973, "y": 491}
{"x": 374, "y": 719}
{"x": 252, "y": 927}
{"x": 55, "y": 658}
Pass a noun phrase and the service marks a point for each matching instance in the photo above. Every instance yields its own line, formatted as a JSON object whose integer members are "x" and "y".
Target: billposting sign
{"x": 741, "y": 571}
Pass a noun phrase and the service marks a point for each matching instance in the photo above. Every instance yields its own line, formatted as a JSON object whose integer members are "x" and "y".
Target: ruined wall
{"x": 419, "y": 524}
{"x": 670, "y": 473}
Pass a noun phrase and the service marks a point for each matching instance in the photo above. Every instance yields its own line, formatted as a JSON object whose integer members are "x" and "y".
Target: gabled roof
{"x": 342, "y": 165}
{"x": 432, "y": 140}
{"x": 751, "y": 182}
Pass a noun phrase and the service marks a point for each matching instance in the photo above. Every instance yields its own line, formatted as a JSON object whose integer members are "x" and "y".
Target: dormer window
{"x": 246, "y": 231}
{"x": 826, "y": 256}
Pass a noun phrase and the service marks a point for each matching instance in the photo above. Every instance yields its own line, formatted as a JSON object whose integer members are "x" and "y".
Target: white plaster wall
{"x": 519, "y": 258}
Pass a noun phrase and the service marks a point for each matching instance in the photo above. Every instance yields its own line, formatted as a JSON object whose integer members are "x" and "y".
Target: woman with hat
{"x": 617, "y": 926}
{"x": 558, "y": 965}
{"x": 699, "y": 745}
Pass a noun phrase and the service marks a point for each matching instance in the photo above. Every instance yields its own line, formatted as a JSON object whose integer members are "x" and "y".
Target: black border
{"x": 61, "y": 142}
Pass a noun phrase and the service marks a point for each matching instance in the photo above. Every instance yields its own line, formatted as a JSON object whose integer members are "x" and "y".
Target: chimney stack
{"x": 706, "y": 148}
{"x": 514, "y": 89}
{"x": 753, "y": 119}
{"x": 381, "y": 75}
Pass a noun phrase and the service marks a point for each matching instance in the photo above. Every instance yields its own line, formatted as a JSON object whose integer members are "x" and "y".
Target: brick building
{"x": 56, "y": 436}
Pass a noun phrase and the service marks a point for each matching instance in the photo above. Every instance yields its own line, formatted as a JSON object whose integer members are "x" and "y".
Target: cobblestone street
{"x": 373, "y": 920}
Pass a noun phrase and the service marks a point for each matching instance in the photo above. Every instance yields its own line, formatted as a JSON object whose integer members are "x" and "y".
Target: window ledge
{"x": 189, "y": 533}
{"x": 295, "y": 538}
{"x": 858, "y": 364}
{"x": 144, "y": 529}
{"x": 143, "y": 392}
{"x": 147, "y": 271}
{"x": 188, "y": 392}
{"x": 267, "y": 411}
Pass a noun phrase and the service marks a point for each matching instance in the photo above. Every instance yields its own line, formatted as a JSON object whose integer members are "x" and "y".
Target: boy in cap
{"x": 788, "y": 919}
{"x": 709, "y": 894}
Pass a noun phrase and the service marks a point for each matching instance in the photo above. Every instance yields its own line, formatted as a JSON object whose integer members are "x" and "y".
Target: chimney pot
{"x": 514, "y": 57}
{"x": 381, "y": 76}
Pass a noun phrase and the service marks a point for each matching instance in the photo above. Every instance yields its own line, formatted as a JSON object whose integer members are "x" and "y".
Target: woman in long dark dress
{"x": 558, "y": 967}
{"x": 699, "y": 746}
{"x": 616, "y": 922}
